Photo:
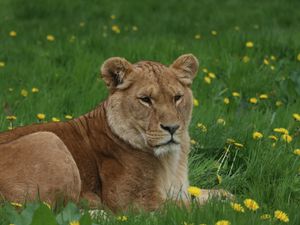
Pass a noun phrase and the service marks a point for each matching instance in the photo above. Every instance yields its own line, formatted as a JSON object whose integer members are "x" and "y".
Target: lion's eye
{"x": 177, "y": 98}
{"x": 146, "y": 99}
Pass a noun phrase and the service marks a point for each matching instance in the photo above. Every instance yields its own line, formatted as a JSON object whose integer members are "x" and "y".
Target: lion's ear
{"x": 187, "y": 65}
{"x": 114, "y": 71}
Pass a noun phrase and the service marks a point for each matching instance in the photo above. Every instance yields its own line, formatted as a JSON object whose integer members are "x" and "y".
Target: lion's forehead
{"x": 150, "y": 67}
{"x": 156, "y": 79}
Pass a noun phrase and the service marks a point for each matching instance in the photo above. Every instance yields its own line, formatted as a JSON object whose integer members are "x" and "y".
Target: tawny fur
{"x": 114, "y": 155}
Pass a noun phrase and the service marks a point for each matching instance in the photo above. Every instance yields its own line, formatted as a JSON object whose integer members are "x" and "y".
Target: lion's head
{"x": 150, "y": 104}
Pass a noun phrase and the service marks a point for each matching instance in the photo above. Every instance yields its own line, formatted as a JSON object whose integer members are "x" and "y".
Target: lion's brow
{"x": 151, "y": 67}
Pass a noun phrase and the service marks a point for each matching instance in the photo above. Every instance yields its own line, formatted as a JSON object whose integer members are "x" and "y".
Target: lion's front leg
{"x": 207, "y": 194}
{"x": 93, "y": 199}
{"x": 185, "y": 198}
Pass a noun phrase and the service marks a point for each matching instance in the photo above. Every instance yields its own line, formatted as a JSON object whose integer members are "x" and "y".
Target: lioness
{"x": 132, "y": 149}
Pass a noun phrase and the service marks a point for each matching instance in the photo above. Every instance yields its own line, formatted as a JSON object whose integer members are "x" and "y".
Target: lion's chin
{"x": 166, "y": 149}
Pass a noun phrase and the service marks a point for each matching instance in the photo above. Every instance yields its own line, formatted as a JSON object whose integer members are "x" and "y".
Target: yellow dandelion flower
{"x": 113, "y": 16}
{"x": 251, "y": 204}
{"x": 265, "y": 216}
{"x": 253, "y": 100}
{"x": 122, "y": 218}
{"x": 186, "y": 223}
{"x": 11, "y": 117}
{"x": 226, "y": 101}
{"x": 296, "y": 116}
{"x": 116, "y": 29}
{"x": 35, "y": 90}
{"x": 246, "y": 59}
{"x": 257, "y": 135}
{"x": 54, "y": 119}
{"x": 13, "y": 33}
{"x": 75, "y": 222}
{"x": 213, "y": 32}
{"x": 223, "y": 222}
{"x": 41, "y": 116}
{"x": 298, "y": 57}
{"x": 266, "y": 62}
{"x": 274, "y": 145}
{"x": 249, "y": 44}
{"x": 272, "y": 137}
{"x": 72, "y": 38}
{"x": 230, "y": 141}
{"x": 273, "y": 58}
{"x": 282, "y": 216}
{"x": 272, "y": 67}
{"x": 281, "y": 130}
{"x": 239, "y": 145}
{"x": 24, "y": 92}
{"x": 16, "y": 204}
{"x": 237, "y": 207}
{"x": 278, "y": 103}
{"x": 2, "y": 64}
{"x": 221, "y": 121}
{"x": 47, "y": 204}
{"x": 69, "y": 117}
{"x": 212, "y": 75}
{"x": 287, "y": 138}
{"x": 219, "y": 179}
{"x": 50, "y": 37}
{"x": 202, "y": 127}
{"x": 263, "y": 96}
{"x": 193, "y": 142}
{"x": 207, "y": 80}
{"x": 297, "y": 151}
{"x": 135, "y": 28}
{"x": 236, "y": 94}
{"x": 195, "y": 102}
{"x": 256, "y": 26}
{"x": 237, "y": 28}
{"x": 197, "y": 36}
{"x": 205, "y": 70}
{"x": 194, "y": 191}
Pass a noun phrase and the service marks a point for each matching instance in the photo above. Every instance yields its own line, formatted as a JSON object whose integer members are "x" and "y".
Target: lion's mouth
{"x": 171, "y": 141}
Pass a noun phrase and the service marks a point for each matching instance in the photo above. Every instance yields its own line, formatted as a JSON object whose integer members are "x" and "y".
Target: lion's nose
{"x": 172, "y": 128}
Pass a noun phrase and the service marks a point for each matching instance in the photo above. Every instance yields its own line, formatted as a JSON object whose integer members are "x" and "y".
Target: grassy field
{"x": 51, "y": 52}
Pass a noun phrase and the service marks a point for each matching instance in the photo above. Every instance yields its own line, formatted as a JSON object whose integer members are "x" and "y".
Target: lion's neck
{"x": 174, "y": 176}
{"x": 99, "y": 128}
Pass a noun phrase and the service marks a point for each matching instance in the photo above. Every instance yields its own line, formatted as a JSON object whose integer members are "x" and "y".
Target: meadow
{"x": 246, "y": 120}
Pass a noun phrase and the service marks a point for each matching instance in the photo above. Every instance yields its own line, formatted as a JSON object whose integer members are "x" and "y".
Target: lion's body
{"x": 131, "y": 150}
{"x": 117, "y": 173}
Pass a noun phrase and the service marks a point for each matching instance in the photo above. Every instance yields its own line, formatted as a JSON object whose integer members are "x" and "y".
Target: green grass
{"x": 66, "y": 71}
